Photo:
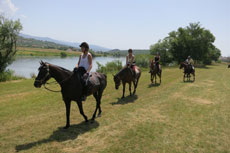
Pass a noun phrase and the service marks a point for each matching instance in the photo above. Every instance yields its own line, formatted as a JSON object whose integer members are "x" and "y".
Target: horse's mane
{"x": 118, "y": 73}
{"x": 63, "y": 69}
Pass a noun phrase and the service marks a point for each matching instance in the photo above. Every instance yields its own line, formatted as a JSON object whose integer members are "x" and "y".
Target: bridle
{"x": 47, "y": 74}
{"x": 54, "y": 82}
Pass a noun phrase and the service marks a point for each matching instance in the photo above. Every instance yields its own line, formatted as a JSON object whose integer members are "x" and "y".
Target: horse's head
{"x": 182, "y": 64}
{"x": 117, "y": 81}
{"x": 43, "y": 75}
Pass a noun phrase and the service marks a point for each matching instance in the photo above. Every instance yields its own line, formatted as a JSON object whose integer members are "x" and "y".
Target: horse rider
{"x": 84, "y": 67}
{"x": 190, "y": 62}
{"x": 130, "y": 62}
{"x": 157, "y": 61}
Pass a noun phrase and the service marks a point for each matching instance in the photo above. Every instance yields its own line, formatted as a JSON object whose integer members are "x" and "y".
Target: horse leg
{"x": 135, "y": 85}
{"x": 67, "y": 106}
{"x": 193, "y": 77}
{"x": 130, "y": 85}
{"x": 160, "y": 77}
{"x": 151, "y": 76}
{"x": 184, "y": 77}
{"x": 97, "y": 96}
{"x": 79, "y": 103}
{"x": 97, "y": 104}
{"x": 123, "y": 90}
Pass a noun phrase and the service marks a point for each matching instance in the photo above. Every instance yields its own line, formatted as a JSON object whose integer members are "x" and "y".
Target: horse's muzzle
{"x": 37, "y": 84}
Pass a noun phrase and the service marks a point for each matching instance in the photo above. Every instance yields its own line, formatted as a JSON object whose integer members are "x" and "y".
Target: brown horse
{"x": 126, "y": 76}
{"x": 154, "y": 71}
{"x": 228, "y": 65}
{"x": 187, "y": 71}
{"x": 71, "y": 87}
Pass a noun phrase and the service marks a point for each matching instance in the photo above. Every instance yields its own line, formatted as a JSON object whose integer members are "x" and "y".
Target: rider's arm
{"x": 127, "y": 60}
{"x": 90, "y": 59}
{"x": 78, "y": 62}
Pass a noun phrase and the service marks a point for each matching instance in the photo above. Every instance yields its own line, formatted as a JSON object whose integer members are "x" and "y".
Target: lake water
{"x": 25, "y": 66}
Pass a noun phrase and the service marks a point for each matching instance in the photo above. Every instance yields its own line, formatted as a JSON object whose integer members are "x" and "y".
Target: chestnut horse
{"x": 125, "y": 75}
{"x": 154, "y": 71}
{"x": 71, "y": 87}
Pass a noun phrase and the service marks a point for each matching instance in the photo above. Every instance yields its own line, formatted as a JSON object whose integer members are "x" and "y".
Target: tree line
{"x": 193, "y": 40}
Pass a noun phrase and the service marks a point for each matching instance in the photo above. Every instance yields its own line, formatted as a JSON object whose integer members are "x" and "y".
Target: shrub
{"x": 143, "y": 60}
{"x": 9, "y": 75}
{"x": 63, "y": 54}
{"x": 110, "y": 67}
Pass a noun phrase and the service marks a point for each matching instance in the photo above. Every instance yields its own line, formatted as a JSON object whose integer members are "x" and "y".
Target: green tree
{"x": 194, "y": 41}
{"x": 163, "y": 47}
{"x": 9, "y": 31}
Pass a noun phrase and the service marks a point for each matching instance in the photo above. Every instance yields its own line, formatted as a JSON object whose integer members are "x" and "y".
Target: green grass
{"x": 172, "y": 117}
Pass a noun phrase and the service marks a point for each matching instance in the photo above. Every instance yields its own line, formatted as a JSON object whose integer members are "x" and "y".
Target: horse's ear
{"x": 41, "y": 62}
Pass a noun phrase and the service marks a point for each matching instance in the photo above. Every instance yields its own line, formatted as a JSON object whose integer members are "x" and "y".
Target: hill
{"x": 75, "y": 44}
{"x": 30, "y": 42}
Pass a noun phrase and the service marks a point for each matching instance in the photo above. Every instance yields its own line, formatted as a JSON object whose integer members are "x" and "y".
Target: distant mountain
{"x": 93, "y": 47}
{"x": 34, "y": 43}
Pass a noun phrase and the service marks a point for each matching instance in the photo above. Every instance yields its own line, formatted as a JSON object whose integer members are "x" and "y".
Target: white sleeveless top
{"x": 84, "y": 62}
{"x": 129, "y": 59}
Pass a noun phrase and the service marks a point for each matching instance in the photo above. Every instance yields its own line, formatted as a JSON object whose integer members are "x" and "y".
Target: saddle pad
{"x": 94, "y": 80}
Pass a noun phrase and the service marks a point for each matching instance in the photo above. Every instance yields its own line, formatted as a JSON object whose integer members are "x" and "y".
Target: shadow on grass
{"x": 62, "y": 135}
{"x": 154, "y": 85}
{"x": 126, "y": 100}
{"x": 188, "y": 81}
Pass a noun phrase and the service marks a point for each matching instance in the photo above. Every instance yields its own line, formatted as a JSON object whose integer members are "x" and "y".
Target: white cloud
{"x": 7, "y": 8}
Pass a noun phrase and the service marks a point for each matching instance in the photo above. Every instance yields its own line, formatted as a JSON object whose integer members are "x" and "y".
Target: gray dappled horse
{"x": 154, "y": 71}
{"x": 71, "y": 87}
{"x": 125, "y": 75}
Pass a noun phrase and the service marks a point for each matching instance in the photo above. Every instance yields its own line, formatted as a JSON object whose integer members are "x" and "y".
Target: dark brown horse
{"x": 125, "y": 75}
{"x": 187, "y": 71}
{"x": 71, "y": 87}
{"x": 154, "y": 71}
{"x": 228, "y": 65}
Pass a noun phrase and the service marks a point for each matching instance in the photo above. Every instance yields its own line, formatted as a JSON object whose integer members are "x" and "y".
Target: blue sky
{"x": 119, "y": 24}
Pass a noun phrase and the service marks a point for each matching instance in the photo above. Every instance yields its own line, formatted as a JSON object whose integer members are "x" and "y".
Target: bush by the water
{"x": 9, "y": 75}
{"x": 63, "y": 54}
{"x": 112, "y": 67}
{"x": 143, "y": 60}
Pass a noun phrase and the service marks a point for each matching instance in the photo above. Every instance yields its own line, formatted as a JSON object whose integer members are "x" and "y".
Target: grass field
{"x": 22, "y": 51}
{"x": 172, "y": 117}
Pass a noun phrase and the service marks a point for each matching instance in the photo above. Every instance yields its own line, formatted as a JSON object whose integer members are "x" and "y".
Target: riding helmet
{"x": 84, "y": 44}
